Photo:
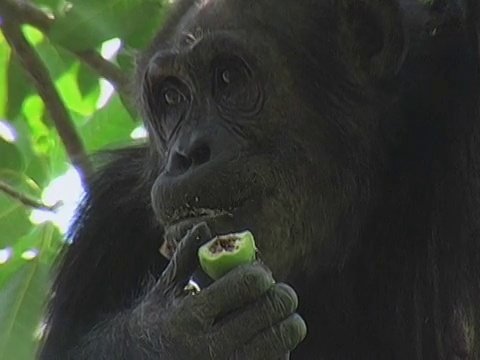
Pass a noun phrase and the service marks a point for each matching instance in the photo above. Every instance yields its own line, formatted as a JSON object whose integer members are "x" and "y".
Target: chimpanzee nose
{"x": 199, "y": 146}
{"x": 185, "y": 156}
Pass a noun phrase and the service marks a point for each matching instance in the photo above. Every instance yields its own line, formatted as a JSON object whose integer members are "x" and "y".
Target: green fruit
{"x": 225, "y": 252}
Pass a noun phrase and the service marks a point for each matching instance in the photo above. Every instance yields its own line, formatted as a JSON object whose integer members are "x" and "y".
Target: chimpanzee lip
{"x": 196, "y": 213}
{"x": 185, "y": 219}
{"x": 221, "y": 220}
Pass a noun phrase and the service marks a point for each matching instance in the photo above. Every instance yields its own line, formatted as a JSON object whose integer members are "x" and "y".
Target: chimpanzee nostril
{"x": 200, "y": 155}
{"x": 179, "y": 163}
{"x": 182, "y": 161}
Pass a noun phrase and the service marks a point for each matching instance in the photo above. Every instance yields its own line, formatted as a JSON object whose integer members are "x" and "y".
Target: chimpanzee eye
{"x": 226, "y": 76}
{"x": 173, "y": 96}
{"x": 234, "y": 86}
{"x": 229, "y": 75}
{"x": 169, "y": 100}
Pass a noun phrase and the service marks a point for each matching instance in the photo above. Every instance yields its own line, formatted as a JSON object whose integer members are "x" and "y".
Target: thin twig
{"x": 37, "y": 70}
{"x": 23, "y": 12}
{"x": 26, "y": 200}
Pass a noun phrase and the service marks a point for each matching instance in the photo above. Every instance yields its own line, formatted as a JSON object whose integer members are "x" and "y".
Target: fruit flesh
{"x": 223, "y": 253}
{"x": 224, "y": 244}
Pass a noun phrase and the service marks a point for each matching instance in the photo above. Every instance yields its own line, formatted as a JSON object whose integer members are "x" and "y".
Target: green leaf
{"x": 57, "y": 60}
{"x": 110, "y": 126}
{"x": 59, "y": 161}
{"x": 19, "y": 87}
{"x": 38, "y": 170}
{"x": 4, "y": 59}
{"x": 88, "y": 81}
{"x": 33, "y": 35}
{"x": 45, "y": 238}
{"x": 12, "y": 158}
{"x": 23, "y": 291}
{"x": 143, "y": 31}
{"x": 68, "y": 87}
{"x": 14, "y": 220}
{"x": 22, "y": 301}
{"x": 30, "y": 132}
{"x": 40, "y": 130}
{"x": 88, "y": 23}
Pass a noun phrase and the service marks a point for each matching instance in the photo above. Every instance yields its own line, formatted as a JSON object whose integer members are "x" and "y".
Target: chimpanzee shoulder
{"x": 113, "y": 245}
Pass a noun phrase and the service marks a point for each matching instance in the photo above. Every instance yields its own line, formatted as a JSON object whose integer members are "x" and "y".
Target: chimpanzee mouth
{"x": 185, "y": 214}
{"x": 184, "y": 219}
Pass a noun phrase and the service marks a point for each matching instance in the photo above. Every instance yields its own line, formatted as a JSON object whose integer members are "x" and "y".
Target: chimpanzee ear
{"x": 373, "y": 37}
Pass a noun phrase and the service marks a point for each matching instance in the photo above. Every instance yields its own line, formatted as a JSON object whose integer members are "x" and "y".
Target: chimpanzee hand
{"x": 243, "y": 315}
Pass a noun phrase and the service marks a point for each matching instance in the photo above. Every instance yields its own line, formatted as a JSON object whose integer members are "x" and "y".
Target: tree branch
{"x": 26, "y": 200}
{"x": 105, "y": 69}
{"x": 37, "y": 70}
{"x": 23, "y": 12}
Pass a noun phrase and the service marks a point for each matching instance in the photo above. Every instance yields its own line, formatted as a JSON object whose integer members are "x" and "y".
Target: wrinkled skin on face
{"x": 243, "y": 148}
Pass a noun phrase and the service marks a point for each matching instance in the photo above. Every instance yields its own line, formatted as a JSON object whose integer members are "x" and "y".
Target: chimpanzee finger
{"x": 184, "y": 261}
{"x": 279, "y": 302}
{"x": 276, "y": 341}
{"x": 238, "y": 287}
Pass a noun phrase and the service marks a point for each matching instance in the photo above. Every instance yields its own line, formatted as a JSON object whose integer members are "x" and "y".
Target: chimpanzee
{"x": 345, "y": 134}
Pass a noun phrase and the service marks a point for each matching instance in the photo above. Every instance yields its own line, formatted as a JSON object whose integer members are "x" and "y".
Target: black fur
{"x": 358, "y": 173}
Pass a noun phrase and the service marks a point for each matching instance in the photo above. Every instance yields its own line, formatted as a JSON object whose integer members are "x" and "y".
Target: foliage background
{"x": 65, "y": 70}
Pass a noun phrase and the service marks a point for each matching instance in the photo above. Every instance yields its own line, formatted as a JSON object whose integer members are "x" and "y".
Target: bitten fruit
{"x": 225, "y": 252}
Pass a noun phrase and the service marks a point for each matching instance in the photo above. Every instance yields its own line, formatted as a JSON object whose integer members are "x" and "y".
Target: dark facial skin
{"x": 344, "y": 135}
{"x": 232, "y": 128}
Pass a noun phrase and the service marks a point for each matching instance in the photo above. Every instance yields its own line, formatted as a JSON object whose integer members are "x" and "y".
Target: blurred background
{"x": 65, "y": 72}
